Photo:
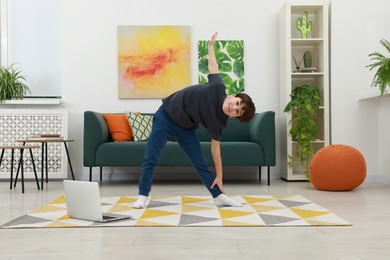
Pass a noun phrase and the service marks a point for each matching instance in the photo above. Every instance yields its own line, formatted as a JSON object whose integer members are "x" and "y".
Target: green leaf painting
{"x": 230, "y": 59}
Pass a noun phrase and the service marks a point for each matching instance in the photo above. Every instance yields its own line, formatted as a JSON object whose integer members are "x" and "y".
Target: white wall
{"x": 357, "y": 27}
{"x": 90, "y": 64}
{"x": 383, "y": 173}
{"x": 90, "y": 50}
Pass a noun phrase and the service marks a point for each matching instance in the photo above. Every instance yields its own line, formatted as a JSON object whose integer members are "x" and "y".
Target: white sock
{"x": 140, "y": 203}
{"x": 223, "y": 200}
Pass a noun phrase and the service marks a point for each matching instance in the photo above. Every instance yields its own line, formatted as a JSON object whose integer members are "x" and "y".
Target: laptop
{"x": 83, "y": 202}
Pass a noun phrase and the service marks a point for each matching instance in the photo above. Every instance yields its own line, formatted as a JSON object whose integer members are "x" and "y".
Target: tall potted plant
{"x": 11, "y": 84}
{"x": 382, "y": 75}
{"x": 304, "y": 105}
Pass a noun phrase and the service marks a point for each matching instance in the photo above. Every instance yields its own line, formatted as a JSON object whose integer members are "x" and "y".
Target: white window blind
{"x": 32, "y": 41}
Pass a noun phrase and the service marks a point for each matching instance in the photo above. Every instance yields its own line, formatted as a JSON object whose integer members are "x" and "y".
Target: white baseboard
{"x": 379, "y": 178}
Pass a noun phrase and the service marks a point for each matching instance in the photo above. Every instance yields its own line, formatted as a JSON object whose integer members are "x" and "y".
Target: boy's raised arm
{"x": 212, "y": 65}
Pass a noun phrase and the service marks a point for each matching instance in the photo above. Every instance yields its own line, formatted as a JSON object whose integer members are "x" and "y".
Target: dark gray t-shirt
{"x": 199, "y": 104}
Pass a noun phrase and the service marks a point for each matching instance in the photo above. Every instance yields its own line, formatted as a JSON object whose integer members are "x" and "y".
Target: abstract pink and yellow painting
{"x": 153, "y": 61}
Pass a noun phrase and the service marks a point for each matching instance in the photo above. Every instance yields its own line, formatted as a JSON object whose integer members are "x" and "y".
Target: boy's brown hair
{"x": 247, "y": 106}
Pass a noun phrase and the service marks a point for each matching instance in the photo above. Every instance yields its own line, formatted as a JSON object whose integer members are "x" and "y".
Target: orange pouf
{"x": 337, "y": 168}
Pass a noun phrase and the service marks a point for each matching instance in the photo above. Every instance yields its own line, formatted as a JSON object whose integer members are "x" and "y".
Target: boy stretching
{"x": 179, "y": 116}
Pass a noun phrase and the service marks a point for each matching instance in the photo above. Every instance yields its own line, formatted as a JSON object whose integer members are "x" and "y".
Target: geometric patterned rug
{"x": 187, "y": 211}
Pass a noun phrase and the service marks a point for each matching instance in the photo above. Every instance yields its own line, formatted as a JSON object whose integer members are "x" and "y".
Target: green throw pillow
{"x": 140, "y": 125}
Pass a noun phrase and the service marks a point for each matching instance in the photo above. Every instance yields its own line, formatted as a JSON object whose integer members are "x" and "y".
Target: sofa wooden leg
{"x": 90, "y": 173}
{"x": 259, "y": 173}
{"x": 101, "y": 173}
{"x": 269, "y": 169}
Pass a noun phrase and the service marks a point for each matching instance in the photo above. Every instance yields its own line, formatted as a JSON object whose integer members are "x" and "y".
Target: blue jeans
{"x": 163, "y": 127}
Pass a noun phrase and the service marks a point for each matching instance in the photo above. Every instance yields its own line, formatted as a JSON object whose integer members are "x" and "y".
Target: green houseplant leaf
{"x": 203, "y": 65}
{"x": 227, "y": 80}
{"x": 235, "y": 49}
{"x": 304, "y": 105}
{"x": 202, "y": 80}
{"x": 202, "y": 49}
{"x": 236, "y": 87}
{"x": 220, "y": 45}
{"x": 238, "y": 69}
{"x": 382, "y": 76}
{"x": 11, "y": 84}
{"x": 224, "y": 62}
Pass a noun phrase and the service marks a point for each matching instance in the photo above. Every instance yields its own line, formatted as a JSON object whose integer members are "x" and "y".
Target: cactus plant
{"x": 304, "y": 25}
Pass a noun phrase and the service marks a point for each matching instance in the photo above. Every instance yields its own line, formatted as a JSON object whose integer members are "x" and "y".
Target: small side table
{"x": 21, "y": 148}
{"x": 44, "y": 142}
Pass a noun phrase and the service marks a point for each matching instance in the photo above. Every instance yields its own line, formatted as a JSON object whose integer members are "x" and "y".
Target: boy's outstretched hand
{"x": 213, "y": 39}
{"x": 218, "y": 182}
{"x": 212, "y": 65}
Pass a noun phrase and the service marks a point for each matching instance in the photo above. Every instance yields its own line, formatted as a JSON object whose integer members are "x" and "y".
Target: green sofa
{"x": 251, "y": 144}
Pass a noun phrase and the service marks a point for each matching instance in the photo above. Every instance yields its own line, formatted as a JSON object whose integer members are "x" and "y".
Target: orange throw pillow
{"x": 119, "y": 127}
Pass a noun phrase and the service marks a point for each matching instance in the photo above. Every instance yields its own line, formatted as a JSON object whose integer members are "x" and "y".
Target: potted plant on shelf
{"x": 382, "y": 75}
{"x": 11, "y": 85}
{"x": 304, "y": 105}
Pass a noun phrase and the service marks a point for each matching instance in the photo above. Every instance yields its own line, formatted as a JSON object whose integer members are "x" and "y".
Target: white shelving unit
{"x": 291, "y": 44}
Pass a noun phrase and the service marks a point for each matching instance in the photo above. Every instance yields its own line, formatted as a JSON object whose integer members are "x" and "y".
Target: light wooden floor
{"x": 367, "y": 207}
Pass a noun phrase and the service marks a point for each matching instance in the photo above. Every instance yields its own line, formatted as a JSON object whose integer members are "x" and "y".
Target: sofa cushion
{"x": 233, "y": 154}
{"x": 120, "y": 154}
{"x": 242, "y": 154}
{"x": 132, "y": 153}
{"x": 119, "y": 127}
{"x": 141, "y": 125}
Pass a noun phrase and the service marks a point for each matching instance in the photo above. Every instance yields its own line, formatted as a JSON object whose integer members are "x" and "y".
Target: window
{"x": 31, "y": 39}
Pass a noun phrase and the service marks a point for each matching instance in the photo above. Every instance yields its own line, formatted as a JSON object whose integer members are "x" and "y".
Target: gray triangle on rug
{"x": 158, "y": 204}
{"x": 291, "y": 203}
{"x": 276, "y": 220}
{"x": 26, "y": 220}
{"x": 186, "y": 219}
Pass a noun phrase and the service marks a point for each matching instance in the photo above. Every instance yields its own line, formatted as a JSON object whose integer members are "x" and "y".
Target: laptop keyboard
{"x": 107, "y": 217}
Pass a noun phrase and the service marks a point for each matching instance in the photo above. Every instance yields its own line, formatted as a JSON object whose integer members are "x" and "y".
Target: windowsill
{"x": 33, "y": 101}
{"x": 373, "y": 95}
